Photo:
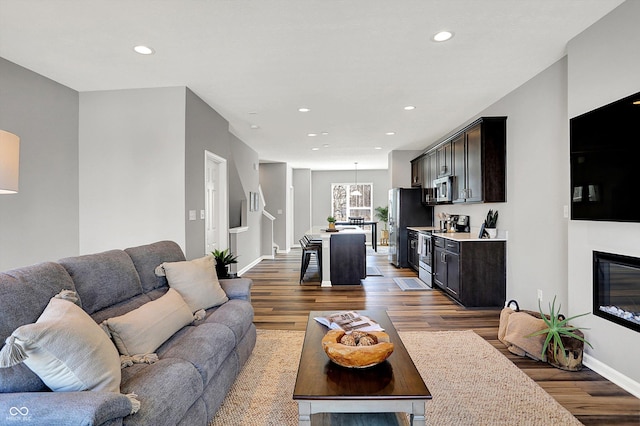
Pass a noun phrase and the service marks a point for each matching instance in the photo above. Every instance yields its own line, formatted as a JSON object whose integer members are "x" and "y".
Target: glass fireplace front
{"x": 616, "y": 292}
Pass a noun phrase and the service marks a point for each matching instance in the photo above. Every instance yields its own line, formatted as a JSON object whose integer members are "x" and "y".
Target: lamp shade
{"x": 9, "y": 162}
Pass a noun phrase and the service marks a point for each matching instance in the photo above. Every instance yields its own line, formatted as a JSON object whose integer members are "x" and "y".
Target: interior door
{"x": 216, "y": 203}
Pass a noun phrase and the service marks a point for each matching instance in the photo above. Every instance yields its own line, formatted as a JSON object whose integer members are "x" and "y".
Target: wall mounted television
{"x": 605, "y": 162}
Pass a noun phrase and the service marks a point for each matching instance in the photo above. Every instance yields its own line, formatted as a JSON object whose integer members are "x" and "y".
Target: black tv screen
{"x": 605, "y": 162}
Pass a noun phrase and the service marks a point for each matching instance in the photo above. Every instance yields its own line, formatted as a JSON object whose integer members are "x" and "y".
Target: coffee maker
{"x": 461, "y": 223}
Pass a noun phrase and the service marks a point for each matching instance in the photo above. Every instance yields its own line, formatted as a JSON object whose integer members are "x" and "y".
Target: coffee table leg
{"x": 304, "y": 413}
{"x": 417, "y": 415}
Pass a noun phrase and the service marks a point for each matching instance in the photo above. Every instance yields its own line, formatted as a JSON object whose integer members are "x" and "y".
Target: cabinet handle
{"x": 468, "y": 193}
{"x": 443, "y": 257}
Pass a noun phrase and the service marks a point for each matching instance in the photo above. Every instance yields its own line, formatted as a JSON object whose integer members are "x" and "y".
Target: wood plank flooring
{"x": 280, "y": 302}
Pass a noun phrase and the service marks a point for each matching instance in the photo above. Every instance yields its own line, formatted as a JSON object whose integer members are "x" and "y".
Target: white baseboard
{"x": 251, "y": 265}
{"x": 615, "y": 376}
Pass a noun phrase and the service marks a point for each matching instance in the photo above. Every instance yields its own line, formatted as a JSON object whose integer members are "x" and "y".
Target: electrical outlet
{"x": 540, "y": 295}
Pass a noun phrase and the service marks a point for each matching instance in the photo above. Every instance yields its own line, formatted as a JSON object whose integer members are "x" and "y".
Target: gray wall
{"x": 273, "y": 179}
{"x": 537, "y": 188}
{"x": 321, "y": 190}
{"x": 603, "y": 64}
{"x": 41, "y": 221}
{"x": 301, "y": 203}
{"x": 132, "y": 168}
{"x": 399, "y": 168}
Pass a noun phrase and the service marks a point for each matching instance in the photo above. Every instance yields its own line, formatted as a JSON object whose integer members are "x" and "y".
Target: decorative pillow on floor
{"x": 143, "y": 330}
{"x": 66, "y": 349}
{"x": 197, "y": 282}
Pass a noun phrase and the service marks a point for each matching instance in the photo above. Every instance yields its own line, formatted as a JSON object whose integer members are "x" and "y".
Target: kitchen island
{"x": 344, "y": 254}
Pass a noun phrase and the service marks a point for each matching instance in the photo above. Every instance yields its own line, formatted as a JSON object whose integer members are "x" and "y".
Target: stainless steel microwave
{"x": 444, "y": 188}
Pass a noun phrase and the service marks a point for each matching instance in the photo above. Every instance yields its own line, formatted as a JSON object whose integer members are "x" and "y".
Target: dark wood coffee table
{"x": 324, "y": 387}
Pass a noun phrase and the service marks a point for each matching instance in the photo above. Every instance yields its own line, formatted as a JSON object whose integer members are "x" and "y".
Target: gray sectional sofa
{"x": 185, "y": 386}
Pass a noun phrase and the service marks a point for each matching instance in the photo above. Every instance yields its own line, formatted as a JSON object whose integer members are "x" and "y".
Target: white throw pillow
{"x": 68, "y": 350}
{"x": 143, "y": 330}
{"x": 197, "y": 282}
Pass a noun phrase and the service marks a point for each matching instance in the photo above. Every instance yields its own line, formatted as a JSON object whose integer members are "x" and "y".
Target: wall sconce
{"x": 9, "y": 162}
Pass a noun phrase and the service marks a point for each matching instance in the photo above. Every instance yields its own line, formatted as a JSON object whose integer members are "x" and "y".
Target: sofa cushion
{"x": 235, "y": 314}
{"x": 144, "y": 329}
{"x": 197, "y": 282}
{"x": 166, "y": 390}
{"x": 146, "y": 258}
{"x": 103, "y": 279}
{"x": 24, "y": 293}
{"x": 68, "y": 350}
{"x": 205, "y": 346}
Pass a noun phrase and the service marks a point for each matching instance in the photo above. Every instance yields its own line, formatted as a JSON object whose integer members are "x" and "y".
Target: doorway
{"x": 216, "y": 203}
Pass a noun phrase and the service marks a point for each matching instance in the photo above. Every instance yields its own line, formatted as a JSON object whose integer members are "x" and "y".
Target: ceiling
{"x": 355, "y": 64}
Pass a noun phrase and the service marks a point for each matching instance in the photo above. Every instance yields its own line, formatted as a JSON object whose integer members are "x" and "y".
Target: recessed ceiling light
{"x": 443, "y": 36}
{"x": 636, "y": 102}
{"x": 326, "y": 145}
{"x": 304, "y": 109}
{"x": 409, "y": 108}
{"x": 377, "y": 147}
{"x": 252, "y": 112}
{"x": 144, "y": 50}
{"x": 312, "y": 134}
{"x": 324, "y": 133}
{"x": 390, "y": 133}
{"x": 255, "y": 126}
{"x": 315, "y": 149}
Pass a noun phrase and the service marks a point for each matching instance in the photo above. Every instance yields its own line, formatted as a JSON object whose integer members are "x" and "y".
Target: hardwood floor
{"x": 280, "y": 302}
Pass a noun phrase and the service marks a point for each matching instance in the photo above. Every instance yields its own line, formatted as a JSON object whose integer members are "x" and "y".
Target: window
{"x": 344, "y": 204}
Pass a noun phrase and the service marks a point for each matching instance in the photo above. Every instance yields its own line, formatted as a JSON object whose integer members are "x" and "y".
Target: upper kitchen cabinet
{"x": 417, "y": 166}
{"x": 429, "y": 169}
{"x": 479, "y": 161}
{"x": 444, "y": 160}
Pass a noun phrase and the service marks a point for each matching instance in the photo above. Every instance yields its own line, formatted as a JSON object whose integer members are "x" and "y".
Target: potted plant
{"x": 490, "y": 223}
{"x": 382, "y": 214}
{"x": 223, "y": 259}
{"x": 332, "y": 222}
{"x": 564, "y": 343}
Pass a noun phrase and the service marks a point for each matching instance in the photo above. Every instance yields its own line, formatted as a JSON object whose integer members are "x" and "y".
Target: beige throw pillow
{"x": 197, "y": 282}
{"x": 143, "y": 330}
{"x": 67, "y": 350}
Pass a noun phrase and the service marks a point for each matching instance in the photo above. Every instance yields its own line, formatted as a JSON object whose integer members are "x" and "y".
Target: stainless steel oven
{"x": 425, "y": 257}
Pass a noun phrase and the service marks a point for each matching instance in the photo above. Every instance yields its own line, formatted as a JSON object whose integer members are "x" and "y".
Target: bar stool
{"x": 309, "y": 249}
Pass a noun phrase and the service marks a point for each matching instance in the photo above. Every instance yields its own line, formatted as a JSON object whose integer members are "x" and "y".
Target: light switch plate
{"x": 192, "y": 215}
{"x": 201, "y": 214}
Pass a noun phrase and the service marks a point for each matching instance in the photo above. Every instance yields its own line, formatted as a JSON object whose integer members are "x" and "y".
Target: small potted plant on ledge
{"x": 332, "y": 222}
{"x": 490, "y": 223}
{"x": 223, "y": 259}
{"x": 564, "y": 343}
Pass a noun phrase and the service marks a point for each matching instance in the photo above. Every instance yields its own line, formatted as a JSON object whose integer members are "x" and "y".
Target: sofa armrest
{"x": 237, "y": 288}
{"x": 53, "y": 408}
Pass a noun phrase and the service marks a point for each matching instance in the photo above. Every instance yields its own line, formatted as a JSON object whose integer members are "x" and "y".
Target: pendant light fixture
{"x": 356, "y": 192}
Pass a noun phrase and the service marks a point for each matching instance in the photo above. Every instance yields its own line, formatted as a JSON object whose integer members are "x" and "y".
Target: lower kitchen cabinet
{"x": 471, "y": 272}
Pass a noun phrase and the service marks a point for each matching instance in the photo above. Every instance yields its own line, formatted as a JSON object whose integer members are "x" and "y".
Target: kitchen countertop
{"x": 456, "y": 236}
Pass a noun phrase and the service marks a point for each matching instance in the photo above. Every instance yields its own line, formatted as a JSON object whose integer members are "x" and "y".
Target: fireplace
{"x": 616, "y": 289}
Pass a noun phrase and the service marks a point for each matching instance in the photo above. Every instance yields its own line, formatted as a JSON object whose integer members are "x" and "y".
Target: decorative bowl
{"x": 358, "y": 349}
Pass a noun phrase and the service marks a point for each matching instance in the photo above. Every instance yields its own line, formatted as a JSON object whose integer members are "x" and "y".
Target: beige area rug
{"x": 472, "y": 383}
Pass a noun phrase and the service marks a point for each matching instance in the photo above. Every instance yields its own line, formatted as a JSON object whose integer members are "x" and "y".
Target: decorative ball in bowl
{"x": 358, "y": 349}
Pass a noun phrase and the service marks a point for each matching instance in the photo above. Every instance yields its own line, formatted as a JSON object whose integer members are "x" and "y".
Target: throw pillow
{"x": 197, "y": 282}
{"x": 143, "y": 330}
{"x": 66, "y": 349}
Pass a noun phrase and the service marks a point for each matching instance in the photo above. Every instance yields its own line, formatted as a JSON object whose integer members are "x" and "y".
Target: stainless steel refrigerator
{"x": 405, "y": 209}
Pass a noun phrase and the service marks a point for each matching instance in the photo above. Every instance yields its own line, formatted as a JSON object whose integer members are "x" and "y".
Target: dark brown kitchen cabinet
{"x": 417, "y": 171}
{"x": 471, "y": 272}
{"x": 479, "y": 162}
{"x": 429, "y": 169}
{"x": 444, "y": 160}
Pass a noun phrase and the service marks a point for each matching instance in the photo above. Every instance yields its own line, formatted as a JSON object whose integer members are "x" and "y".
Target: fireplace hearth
{"x": 616, "y": 289}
